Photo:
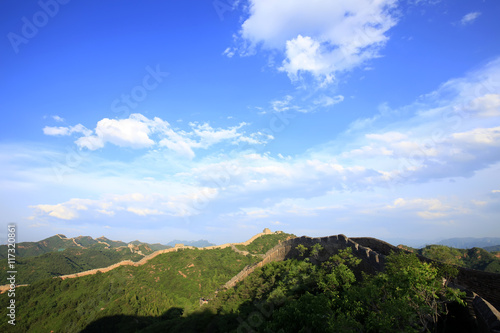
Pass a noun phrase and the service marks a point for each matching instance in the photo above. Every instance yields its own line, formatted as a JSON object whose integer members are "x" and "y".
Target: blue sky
{"x": 215, "y": 119}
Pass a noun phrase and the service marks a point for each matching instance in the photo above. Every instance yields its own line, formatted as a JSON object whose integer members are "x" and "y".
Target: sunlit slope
{"x": 171, "y": 279}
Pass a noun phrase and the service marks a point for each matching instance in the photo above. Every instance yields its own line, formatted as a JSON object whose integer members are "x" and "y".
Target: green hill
{"x": 470, "y": 242}
{"x": 31, "y": 249}
{"x": 295, "y": 295}
{"x": 474, "y": 258}
{"x": 288, "y": 296}
{"x": 60, "y": 242}
{"x": 69, "y": 261}
{"x": 58, "y": 255}
{"x": 494, "y": 248}
{"x": 111, "y": 243}
{"x": 264, "y": 243}
{"x": 176, "y": 279}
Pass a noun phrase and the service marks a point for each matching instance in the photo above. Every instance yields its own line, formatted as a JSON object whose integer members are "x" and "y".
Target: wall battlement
{"x": 485, "y": 284}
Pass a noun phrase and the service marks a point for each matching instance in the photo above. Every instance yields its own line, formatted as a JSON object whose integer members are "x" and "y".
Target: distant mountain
{"x": 474, "y": 258}
{"x": 470, "y": 242}
{"x": 153, "y": 247}
{"x": 110, "y": 242}
{"x": 29, "y": 249}
{"x": 60, "y": 243}
{"x": 59, "y": 255}
{"x": 158, "y": 246}
{"x": 198, "y": 243}
{"x": 494, "y": 248}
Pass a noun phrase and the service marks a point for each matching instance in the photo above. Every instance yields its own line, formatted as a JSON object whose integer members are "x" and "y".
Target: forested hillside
{"x": 58, "y": 255}
{"x": 59, "y": 242}
{"x": 69, "y": 261}
{"x": 264, "y": 243}
{"x": 298, "y": 296}
{"x": 181, "y": 292}
{"x": 475, "y": 258}
{"x": 176, "y": 279}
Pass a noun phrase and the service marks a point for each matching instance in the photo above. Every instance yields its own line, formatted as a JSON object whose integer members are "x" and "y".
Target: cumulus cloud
{"x": 451, "y": 132}
{"x": 469, "y": 18}
{"x": 140, "y": 132}
{"x": 176, "y": 204}
{"x": 132, "y": 132}
{"x": 321, "y": 38}
{"x": 64, "y": 211}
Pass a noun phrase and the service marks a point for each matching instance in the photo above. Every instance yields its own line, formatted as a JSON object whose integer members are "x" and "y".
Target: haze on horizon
{"x": 216, "y": 119}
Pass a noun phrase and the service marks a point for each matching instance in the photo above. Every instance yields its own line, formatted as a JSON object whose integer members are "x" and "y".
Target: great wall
{"x": 483, "y": 286}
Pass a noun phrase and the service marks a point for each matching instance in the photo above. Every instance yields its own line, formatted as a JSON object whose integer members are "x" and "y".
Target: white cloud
{"x": 426, "y": 208}
{"x": 479, "y": 136}
{"x": 188, "y": 201}
{"x": 328, "y": 100}
{"x": 282, "y": 105}
{"x": 229, "y": 52}
{"x": 404, "y": 149}
{"x": 303, "y": 54}
{"x": 138, "y": 132}
{"x": 487, "y": 105}
{"x": 65, "y": 211}
{"x": 387, "y": 137}
{"x": 132, "y": 132}
{"x": 321, "y": 37}
{"x": 469, "y": 18}
{"x": 58, "y": 119}
{"x": 144, "y": 211}
{"x": 62, "y": 131}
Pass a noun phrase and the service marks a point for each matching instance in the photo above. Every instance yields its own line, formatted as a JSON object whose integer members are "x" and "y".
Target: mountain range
{"x": 220, "y": 289}
{"x": 470, "y": 242}
{"x": 199, "y": 243}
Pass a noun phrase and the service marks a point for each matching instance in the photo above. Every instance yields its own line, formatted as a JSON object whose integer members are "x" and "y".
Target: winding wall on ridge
{"x": 372, "y": 261}
{"x": 485, "y": 286}
{"x": 156, "y": 253}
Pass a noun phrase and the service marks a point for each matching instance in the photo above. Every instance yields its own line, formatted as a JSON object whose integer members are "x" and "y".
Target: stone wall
{"x": 373, "y": 252}
{"x": 372, "y": 261}
{"x": 485, "y": 284}
{"x": 156, "y": 253}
